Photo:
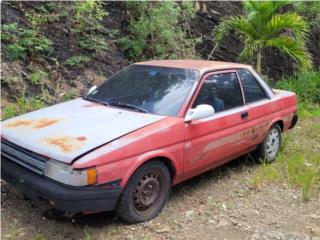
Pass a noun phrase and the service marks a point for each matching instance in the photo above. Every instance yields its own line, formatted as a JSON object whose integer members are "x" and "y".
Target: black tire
{"x": 264, "y": 153}
{"x": 145, "y": 193}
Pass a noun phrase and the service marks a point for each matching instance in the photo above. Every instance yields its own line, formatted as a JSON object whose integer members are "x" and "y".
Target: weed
{"x": 9, "y": 111}
{"x": 37, "y": 77}
{"x": 40, "y": 237}
{"x": 211, "y": 204}
{"x": 68, "y": 96}
{"x": 93, "y": 43}
{"x": 77, "y": 61}
{"x": 87, "y": 235}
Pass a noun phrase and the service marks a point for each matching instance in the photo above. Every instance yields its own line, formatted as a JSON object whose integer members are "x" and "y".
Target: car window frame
{"x": 198, "y": 88}
{"x": 267, "y": 95}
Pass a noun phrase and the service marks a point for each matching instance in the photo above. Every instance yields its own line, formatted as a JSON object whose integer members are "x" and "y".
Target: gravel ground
{"x": 220, "y": 204}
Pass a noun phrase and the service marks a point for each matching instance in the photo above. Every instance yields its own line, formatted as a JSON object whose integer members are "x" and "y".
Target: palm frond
{"x": 286, "y": 21}
{"x": 238, "y": 24}
{"x": 292, "y": 47}
{"x": 249, "y": 51}
{"x": 260, "y": 12}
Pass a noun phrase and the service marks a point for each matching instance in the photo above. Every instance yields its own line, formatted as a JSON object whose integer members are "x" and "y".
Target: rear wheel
{"x": 270, "y": 147}
{"x": 145, "y": 193}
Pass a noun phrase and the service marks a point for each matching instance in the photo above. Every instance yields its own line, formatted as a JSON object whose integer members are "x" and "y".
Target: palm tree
{"x": 262, "y": 27}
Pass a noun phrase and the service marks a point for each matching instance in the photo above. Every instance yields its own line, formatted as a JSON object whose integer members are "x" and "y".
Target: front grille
{"x": 31, "y": 160}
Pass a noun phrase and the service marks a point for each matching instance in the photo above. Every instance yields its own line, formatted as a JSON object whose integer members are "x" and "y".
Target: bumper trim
{"x": 63, "y": 197}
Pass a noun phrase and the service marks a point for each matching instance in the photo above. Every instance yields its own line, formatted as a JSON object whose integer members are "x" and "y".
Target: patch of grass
{"x": 211, "y": 204}
{"x": 14, "y": 232}
{"x": 298, "y": 162}
{"x": 303, "y": 171}
{"x": 40, "y": 237}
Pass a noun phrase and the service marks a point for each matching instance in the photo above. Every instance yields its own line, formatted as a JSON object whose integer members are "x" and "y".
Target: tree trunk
{"x": 258, "y": 63}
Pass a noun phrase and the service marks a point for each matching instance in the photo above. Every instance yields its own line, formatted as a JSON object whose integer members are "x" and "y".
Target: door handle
{"x": 244, "y": 115}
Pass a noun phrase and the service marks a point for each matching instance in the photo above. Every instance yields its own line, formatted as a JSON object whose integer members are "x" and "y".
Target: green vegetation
{"x": 159, "y": 30}
{"x": 262, "y": 26}
{"x": 87, "y": 23}
{"x": 21, "y": 41}
{"x": 298, "y": 163}
{"x": 307, "y": 86}
{"x": 309, "y": 9}
{"x": 77, "y": 61}
{"x": 299, "y": 160}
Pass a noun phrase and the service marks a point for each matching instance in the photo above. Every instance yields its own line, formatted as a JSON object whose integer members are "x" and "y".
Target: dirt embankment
{"x": 76, "y": 80}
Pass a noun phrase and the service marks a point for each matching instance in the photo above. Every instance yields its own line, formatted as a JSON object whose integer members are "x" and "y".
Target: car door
{"x": 212, "y": 141}
{"x": 260, "y": 105}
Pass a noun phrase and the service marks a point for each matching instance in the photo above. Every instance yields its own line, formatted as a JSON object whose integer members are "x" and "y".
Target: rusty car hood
{"x": 68, "y": 130}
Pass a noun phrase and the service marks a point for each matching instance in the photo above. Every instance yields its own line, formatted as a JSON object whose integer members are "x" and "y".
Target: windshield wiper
{"x": 95, "y": 100}
{"x": 127, "y": 105}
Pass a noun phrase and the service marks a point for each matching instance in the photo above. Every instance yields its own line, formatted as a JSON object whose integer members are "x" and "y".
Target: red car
{"x": 150, "y": 126}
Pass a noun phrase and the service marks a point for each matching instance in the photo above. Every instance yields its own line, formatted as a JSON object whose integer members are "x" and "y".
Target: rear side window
{"x": 221, "y": 91}
{"x": 252, "y": 89}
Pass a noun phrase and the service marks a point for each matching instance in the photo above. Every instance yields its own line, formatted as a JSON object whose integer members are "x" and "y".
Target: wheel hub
{"x": 273, "y": 142}
{"x": 146, "y": 192}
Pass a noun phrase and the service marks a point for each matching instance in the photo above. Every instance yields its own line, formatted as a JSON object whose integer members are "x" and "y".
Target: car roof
{"x": 200, "y": 65}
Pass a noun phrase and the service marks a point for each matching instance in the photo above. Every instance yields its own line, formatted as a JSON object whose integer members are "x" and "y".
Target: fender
{"x": 177, "y": 165}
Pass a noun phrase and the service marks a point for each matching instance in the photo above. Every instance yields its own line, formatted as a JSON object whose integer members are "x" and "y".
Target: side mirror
{"x": 92, "y": 89}
{"x": 200, "y": 112}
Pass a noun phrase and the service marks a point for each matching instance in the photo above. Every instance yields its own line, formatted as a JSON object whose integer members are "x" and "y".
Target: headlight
{"x": 66, "y": 174}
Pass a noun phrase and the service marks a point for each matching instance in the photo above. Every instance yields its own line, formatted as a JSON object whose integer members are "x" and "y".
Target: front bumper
{"x": 63, "y": 197}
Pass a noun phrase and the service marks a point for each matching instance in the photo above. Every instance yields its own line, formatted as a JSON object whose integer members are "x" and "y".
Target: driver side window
{"x": 221, "y": 91}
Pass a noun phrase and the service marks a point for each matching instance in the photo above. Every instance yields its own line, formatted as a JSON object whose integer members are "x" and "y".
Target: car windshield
{"x": 157, "y": 90}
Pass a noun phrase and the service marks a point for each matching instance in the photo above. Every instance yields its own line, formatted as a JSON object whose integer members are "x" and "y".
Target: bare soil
{"x": 220, "y": 204}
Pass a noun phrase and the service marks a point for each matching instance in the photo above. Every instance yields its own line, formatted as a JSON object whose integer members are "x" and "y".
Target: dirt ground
{"x": 220, "y": 204}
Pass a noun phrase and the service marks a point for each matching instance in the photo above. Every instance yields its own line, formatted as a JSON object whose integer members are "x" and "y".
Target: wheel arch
{"x": 165, "y": 158}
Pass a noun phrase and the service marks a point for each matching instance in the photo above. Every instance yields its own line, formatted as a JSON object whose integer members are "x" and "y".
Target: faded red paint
{"x": 66, "y": 143}
{"x": 193, "y": 147}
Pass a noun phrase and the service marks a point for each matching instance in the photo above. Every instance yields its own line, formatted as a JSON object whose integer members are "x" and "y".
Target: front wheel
{"x": 271, "y": 145}
{"x": 145, "y": 193}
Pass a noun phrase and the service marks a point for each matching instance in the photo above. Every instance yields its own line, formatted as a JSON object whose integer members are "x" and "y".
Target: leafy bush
{"x": 77, "y": 61}
{"x": 307, "y": 87}
{"x": 159, "y": 30}
{"x": 88, "y": 16}
{"x": 93, "y": 43}
{"x": 24, "y": 41}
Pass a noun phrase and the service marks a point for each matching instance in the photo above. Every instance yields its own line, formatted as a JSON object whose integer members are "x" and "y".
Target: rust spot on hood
{"x": 41, "y": 123}
{"x": 91, "y": 105}
{"x": 45, "y": 122}
{"x": 19, "y": 122}
{"x": 67, "y": 143}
